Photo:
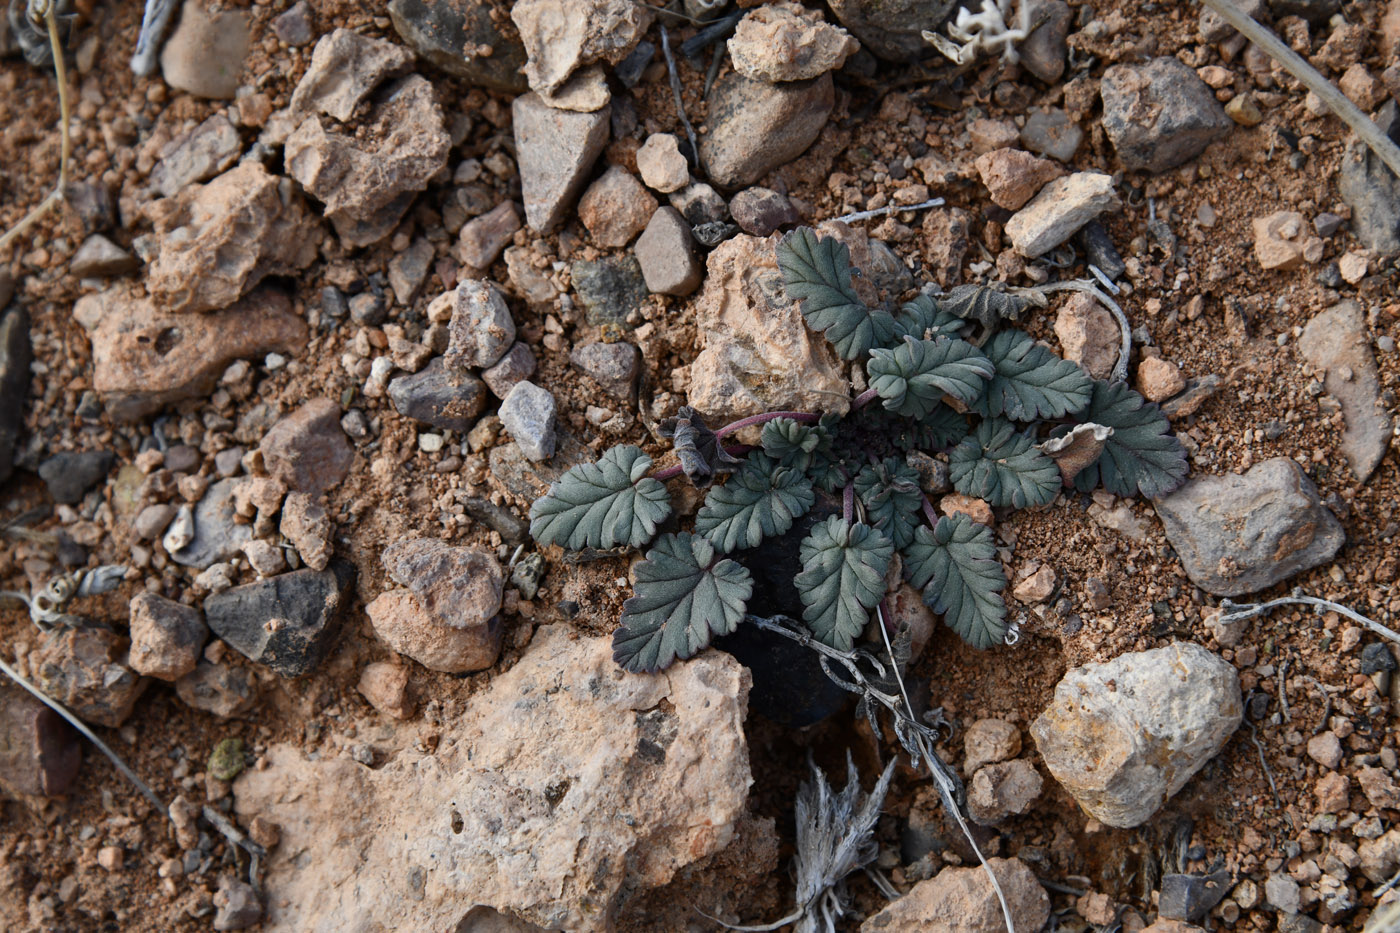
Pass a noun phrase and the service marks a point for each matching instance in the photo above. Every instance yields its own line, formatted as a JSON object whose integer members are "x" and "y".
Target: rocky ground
{"x": 337, "y": 291}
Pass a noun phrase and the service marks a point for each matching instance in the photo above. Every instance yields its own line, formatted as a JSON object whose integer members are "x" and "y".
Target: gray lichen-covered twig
{"x": 1239, "y": 612}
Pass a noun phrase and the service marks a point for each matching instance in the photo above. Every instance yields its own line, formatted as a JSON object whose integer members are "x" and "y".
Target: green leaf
{"x": 986, "y": 306}
{"x": 1005, "y": 468}
{"x": 842, "y": 578}
{"x": 760, "y": 500}
{"x": 914, "y": 376}
{"x": 793, "y": 443}
{"x": 1142, "y": 455}
{"x": 601, "y": 505}
{"x": 925, "y": 319}
{"x": 684, "y": 598}
{"x": 817, "y": 272}
{"x": 955, "y": 564}
{"x": 1030, "y": 382}
{"x": 890, "y": 491}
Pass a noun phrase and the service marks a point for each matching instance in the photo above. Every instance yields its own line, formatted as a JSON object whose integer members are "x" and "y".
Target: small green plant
{"x": 945, "y": 376}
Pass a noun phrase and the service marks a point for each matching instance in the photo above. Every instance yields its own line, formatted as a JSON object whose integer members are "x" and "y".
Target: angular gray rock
{"x": 436, "y": 395}
{"x": 205, "y": 151}
{"x": 1125, "y": 735}
{"x": 15, "y": 356}
{"x": 285, "y": 622}
{"x": 220, "y": 689}
{"x": 307, "y": 449}
{"x": 1052, "y": 133}
{"x": 518, "y": 364}
{"x": 368, "y": 179}
{"x": 564, "y": 788}
{"x": 612, "y": 365}
{"x": 755, "y": 127}
{"x": 100, "y": 257}
{"x": 1190, "y": 897}
{"x": 893, "y": 29}
{"x": 1043, "y": 51}
{"x": 69, "y": 475}
{"x": 166, "y": 637}
{"x": 1372, "y": 190}
{"x": 218, "y": 536}
{"x": 1238, "y": 534}
{"x": 294, "y": 26}
{"x": 666, "y": 253}
{"x": 528, "y": 413}
{"x": 409, "y": 269}
{"x": 611, "y": 289}
{"x": 1336, "y": 342}
{"x": 481, "y": 328}
{"x": 1160, "y": 114}
{"x": 555, "y": 151}
{"x": 451, "y": 36}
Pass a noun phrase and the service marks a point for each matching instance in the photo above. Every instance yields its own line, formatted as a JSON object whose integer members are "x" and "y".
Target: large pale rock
{"x": 555, "y": 151}
{"x": 1125, "y": 735}
{"x": 962, "y": 900}
{"x": 217, "y": 241}
{"x": 755, "y": 127}
{"x": 564, "y": 790}
{"x": 1059, "y": 210}
{"x": 1238, "y": 534}
{"x": 1336, "y": 341}
{"x": 758, "y": 353}
{"x": 786, "y": 41}
{"x": 561, "y": 36}
{"x": 368, "y": 178}
{"x": 144, "y": 359}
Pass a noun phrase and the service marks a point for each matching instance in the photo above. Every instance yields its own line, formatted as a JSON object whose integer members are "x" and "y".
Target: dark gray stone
{"x": 1043, "y": 51}
{"x": 612, "y": 365}
{"x": 760, "y": 211}
{"x": 1238, "y": 534}
{"x": 1052, "y": 133}
{"x": 892, "y": 29}
{"x": 451, "y": 400}
{"x": 1376, "y": 657}
{"x": 441, "y": 31}
{"x": 610, "y": 289}
{"x": 518, "y": 364}
{"x": 1099, "y": 249}
{"x": 333, "y": 303}
{"x": 1316, "y": 12}
{"x": 1189, "y": 897}
{"x": 72, "y": 473}
{"x": 499, "y": 519}
{"x": 1372, "y": 190}
{"x": 15, "y": 357}
{"x": 236, "y": 904}
{"x": 1160, "y": 114}
{"x": 217, "y": 534}
{"x": 284, "y": 622}
{"x": 220, "y": 689}
{"x": 527, "y": 575}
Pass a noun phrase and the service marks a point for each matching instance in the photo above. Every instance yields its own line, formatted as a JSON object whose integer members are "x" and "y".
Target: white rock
{"x": 528, "y": 413}
{"x": 561, "y": 784}
{"x": 661, "y": 164}
{"x": 1059, "y": 210}
{"x": 1125, "y": 735}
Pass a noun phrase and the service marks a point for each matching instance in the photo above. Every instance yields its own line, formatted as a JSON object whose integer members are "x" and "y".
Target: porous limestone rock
{"x": 785, "y": 41}
{"x": 561, "y": 36}
{"x": 758, "y": 354}
{"x": 564, "y": 790}
{"x": 1125, "y": 735}
{"x": 962, "y": 900}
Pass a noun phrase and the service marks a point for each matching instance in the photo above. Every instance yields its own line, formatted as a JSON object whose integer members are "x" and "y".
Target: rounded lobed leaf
{"x": 817, "y": 273}
{"x": 1142, "y": 455}
{"x": 842, "y": 579}
{"x": 760, "y": 500}
{"x": 601, "y": 505}
{"x": 925, "y": 319}
{"x": 914, "y": 376}
{"x": 955, "y": 564}
{"x": 1030, "y": 382}
{"x": 890, "y": 491}
{"x": 1004, "y": 467}
{"x": 684, "y": 597}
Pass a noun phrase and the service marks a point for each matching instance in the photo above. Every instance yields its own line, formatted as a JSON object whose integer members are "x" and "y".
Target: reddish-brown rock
{"x": 307, "y": 450}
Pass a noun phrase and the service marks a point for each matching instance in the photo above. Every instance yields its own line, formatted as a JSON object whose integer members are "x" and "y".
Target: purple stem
{"x": 887, "y": 616}
{"x": 767, "y": 416}
{"x": 848, "y": 503}
{"x": 863, "y": 399}
{"x": 929, "y": 513}
{"x": 671, "y": 472}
